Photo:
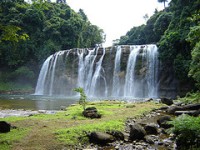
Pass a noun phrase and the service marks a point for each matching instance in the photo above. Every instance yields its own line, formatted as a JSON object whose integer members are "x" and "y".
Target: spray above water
{"x": 120, "y": 72}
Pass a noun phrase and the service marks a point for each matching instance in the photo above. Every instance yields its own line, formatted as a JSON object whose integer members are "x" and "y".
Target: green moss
{"x": 78, "y": 134}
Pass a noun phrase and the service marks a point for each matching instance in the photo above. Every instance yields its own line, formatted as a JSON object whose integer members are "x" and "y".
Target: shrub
{"x": 187, "y": 131}
{"x": 191, "y": 97}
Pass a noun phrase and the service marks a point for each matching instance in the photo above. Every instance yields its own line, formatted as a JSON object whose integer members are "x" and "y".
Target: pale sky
{"x": 116, "y": 17}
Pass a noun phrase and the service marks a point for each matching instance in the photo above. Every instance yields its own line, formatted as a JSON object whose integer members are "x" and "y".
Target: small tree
{"x": 160, "y": 1}
{"x": 83, "y": 97}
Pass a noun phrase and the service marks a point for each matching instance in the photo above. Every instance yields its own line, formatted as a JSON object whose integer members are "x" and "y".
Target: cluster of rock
{"x": 148, "y": 132}
{"x": 91, "y": 112}
{"x": 145, "y": 133}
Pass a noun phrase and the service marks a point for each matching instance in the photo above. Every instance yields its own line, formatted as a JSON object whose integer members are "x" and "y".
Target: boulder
{"x": 163, "y": 122}
{"x": 100, "y": 138}
{"x": 191, "y": 107}
{"x": 137, "y": 132}
{"x": 188, "y": 112}
{"x": 173, "y": 109}
{"x": 150, "y": 139}
{"x": 118, "y": 135}
{"x": 4, "y": 127}
{"x": 151, "y": 129}
{"x": 91, "y": 112}
{"x": 167, "y": 101}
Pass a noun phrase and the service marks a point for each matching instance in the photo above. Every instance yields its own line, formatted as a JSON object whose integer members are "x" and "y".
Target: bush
{"x": 23, "y": 73}
{"x": 191, "y": 97}
{"x": 187, "y": 131}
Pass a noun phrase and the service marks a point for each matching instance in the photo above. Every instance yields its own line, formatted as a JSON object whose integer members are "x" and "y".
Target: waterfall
{"x": 81, "y": 69}
{"x": 152, "y": 76}
{"x": 39, "y": 90}
{"x": 116, "y": 88}
{"x": 53, "y": 66}
{"x": 86, "y": 69}
{"x": 129, "y": 88}
{"x": 126, "y": 71}
{"x": 96, "y": 78}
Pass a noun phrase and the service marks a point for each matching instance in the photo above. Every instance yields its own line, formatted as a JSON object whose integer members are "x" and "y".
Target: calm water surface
{"x": 34, "y": 102}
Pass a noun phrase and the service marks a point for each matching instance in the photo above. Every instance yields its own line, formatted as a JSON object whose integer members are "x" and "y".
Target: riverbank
{"x": 67, "y": 129}
{"x": 121, "y": 125}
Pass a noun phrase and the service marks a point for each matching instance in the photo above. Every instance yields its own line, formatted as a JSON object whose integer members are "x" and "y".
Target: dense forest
{"x": 30, "y": 32}
{"x": 176, "y": 31}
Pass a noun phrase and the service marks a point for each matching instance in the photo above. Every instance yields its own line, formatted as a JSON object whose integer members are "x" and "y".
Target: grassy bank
{"x": 68, "y": 128}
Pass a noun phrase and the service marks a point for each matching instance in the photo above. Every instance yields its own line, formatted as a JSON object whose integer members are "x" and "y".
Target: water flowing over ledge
{"x": 115, "y": 72}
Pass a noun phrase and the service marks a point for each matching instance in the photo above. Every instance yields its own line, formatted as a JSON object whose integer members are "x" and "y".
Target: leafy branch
{"x": 83, "y": 97}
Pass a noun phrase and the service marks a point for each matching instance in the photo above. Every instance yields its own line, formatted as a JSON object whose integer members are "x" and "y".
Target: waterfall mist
{"x": 115, "y": 72}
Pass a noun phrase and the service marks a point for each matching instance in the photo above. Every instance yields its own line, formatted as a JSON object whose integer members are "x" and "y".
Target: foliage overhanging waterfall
{"x": 118, "y": 72}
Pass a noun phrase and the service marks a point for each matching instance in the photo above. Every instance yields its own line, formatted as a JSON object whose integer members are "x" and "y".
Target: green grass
{"x": 78, "y": 134}
{"x": 15, "y": 135}
{"x": 70, "y": 127}
{"x": 13, "y": 119}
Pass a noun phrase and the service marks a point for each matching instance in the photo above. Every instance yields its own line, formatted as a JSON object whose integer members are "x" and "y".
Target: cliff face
{"x": 121, "y": 71}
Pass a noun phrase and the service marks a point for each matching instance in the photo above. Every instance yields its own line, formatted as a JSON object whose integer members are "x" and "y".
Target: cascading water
{"x": 126, "y": 71}
{"x": 39, "y": 90}
{"x": 152, "y": 76}
{"x": 48, "y": 79}
{"x": 96, "y": 78}
{"x": 129, "y": 88}
{"x": 116, "y": 88}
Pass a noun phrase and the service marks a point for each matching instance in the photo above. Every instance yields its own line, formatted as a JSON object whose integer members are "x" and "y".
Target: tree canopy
{"x": 30, "y": 32}
{"x": 176, "y": 32}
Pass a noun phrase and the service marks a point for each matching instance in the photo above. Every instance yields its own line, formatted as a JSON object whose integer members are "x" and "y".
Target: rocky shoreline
{"x": 25, "y": 113}
{"x": 150, "y": 132}
{"x": 146, "y": 133}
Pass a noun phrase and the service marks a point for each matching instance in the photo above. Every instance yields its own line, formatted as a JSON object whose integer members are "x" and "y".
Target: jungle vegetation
{"x": 176, "y": 31}
{"x": 30, "y": 32}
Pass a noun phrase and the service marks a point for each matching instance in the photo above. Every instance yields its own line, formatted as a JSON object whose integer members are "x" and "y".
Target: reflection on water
{"x": 34, "y": 102}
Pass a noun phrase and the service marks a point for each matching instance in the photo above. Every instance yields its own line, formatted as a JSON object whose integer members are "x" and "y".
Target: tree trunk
{"x": 164, "y": 4}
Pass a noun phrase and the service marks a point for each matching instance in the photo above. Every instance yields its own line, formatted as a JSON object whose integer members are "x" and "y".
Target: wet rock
{"x": 164, "y": 108}
{"x": 173, "y": 109}
{"x": 4, "y": 127}
{"x": 151, "y": 129}
{"x": 91, "y": 112}
{"x": 167, "y": 101}
{"x": 188, "y": 112}
{"x": 167, "y": 142}
{"x": 163, "y": 122}
{"x": 64, "y": 108}
{"x": 100, "y": 138}
{"x": 148, "y": 100}
{"x": 137, "y": 132}
{"x": 116, "y": 134}
{"x": 149, "y": 139}
{"x": 191, "y": 107}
